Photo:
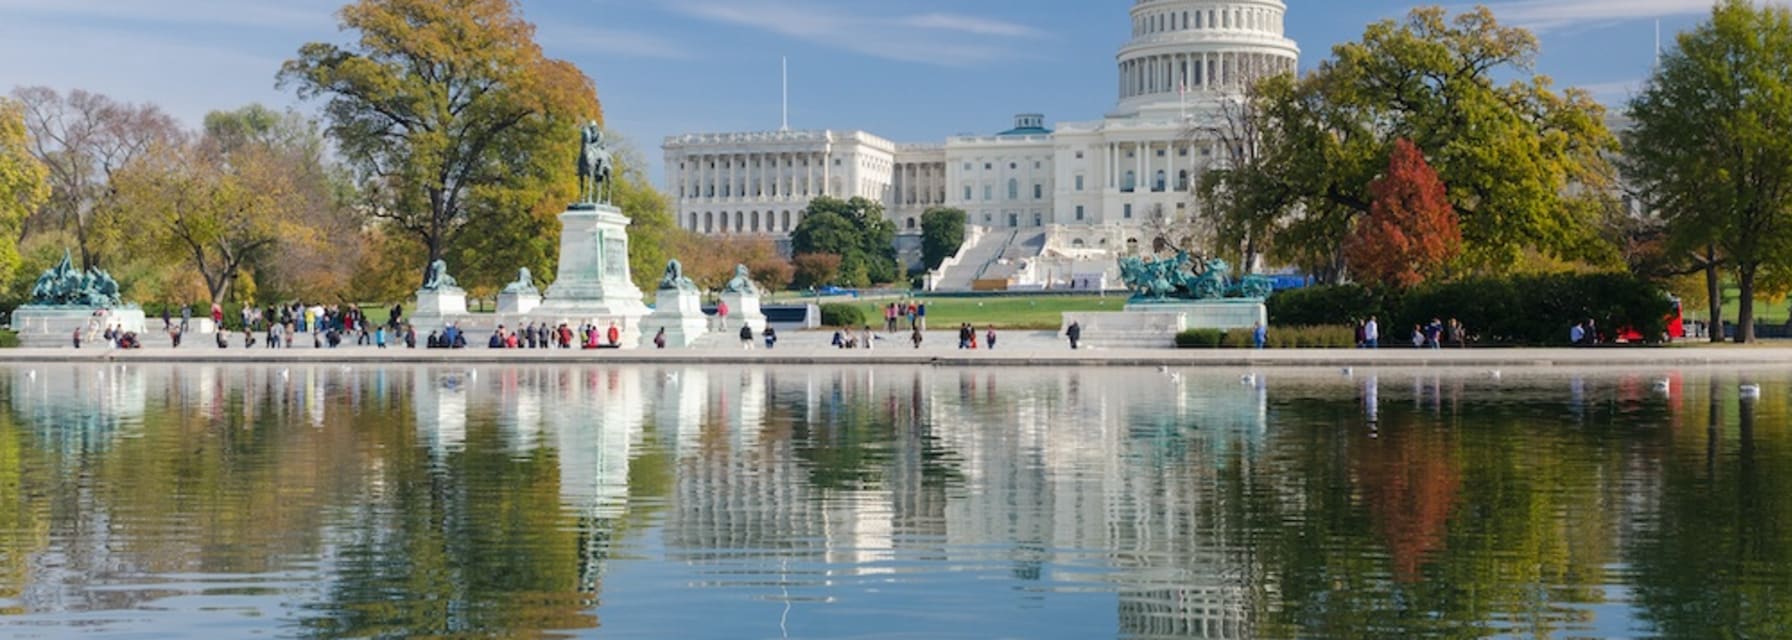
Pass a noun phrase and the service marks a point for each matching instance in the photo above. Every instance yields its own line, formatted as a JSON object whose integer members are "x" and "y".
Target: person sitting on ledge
{"x": 433, "y": 341}
{"x": 497, "y": 340}
{"x": 219, "y": 335}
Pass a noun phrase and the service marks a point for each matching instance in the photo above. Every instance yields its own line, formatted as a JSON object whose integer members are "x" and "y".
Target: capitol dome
{"x": 1206, "y": 47}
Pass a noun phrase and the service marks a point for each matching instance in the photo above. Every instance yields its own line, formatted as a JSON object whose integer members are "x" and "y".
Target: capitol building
{"x": 1049, "y": 205}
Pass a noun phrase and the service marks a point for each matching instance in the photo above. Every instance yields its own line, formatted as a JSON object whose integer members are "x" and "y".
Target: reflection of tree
{"x": 22, "y": 532}
{"x": 1358, "y": 537}
{"x": 1410, "y": 478}
{"x": 1715, "y": 561}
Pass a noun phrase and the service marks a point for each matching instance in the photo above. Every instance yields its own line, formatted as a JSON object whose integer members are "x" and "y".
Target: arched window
{"x": 1077, "y": 243}
{"x": 1130, "y": 183}
{"x": 786, "y": 220}
{"x": 755, "y": 222}
{"x": 911, "y": 222}
{"x": 709, "y": 222}
{"x": 1013, "y": 189}
{"x": 1182, "y": 180}
{"x": 740, "y": 221}
{"x": 1157, "y": 184}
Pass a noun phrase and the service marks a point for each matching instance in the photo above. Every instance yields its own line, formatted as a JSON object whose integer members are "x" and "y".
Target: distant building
{"x": 1043, "y": 200}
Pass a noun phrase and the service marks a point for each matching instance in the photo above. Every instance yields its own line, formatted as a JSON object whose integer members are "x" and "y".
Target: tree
{"x": 1525, "y": 164}
{"x": 1411, "y": 230}
{"x": 84, "y": 138}
{"x": 651, "y": 227}
{"x": 855, "y": 230}
{"x": 24, "y": 184}
{"x": 1708, "y": 149}
{"x": 1243, "y": 205}
{"x": 942, "y": 233}
{"x": 816, "y": 269}
{"x": 450, "y": 113}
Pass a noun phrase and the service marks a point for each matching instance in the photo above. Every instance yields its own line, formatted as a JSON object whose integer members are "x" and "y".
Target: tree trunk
{"x": 1745, "y": 316}
{"x": 1714, "y": 296}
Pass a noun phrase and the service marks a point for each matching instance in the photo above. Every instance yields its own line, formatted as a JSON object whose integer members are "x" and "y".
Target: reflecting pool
{"x": 893, "y": 502}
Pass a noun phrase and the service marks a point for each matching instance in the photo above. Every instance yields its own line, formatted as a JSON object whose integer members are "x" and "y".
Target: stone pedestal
{"x": 48, "y": 327}
{"x": 1154, "y": 325}
{"x": 593, "y": 285}
{"x": 680, "y": 313}
{"x": 518, "y": 303}
{"x": 742, "y": 307}
{"x": 438, "y": 309}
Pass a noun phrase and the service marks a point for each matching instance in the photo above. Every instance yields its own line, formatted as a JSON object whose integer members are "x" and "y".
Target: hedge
{"x": 1516, "y": 310}
{"x": 842, "y": 315}
{"x": 8, "y": 339}
{"x": 1315, "y": 337}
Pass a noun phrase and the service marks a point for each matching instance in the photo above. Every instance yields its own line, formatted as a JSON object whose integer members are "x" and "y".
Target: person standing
{"x": 990, "y": 337}
{"x": 1259, "y": 335}
{"x": 77, "y": 338}
{"x": 186, "y": 316}
{"x": 659, "y": 339}
{"x": 217, "y": 318}
{"x": 921, "y": 315}
{"x": 615, "y": 336}
{"x": 1371, "y": 334}
{"x": 915, "y": 336}
{"x": 868, "y": 337}
{"x": 167, "y": 323}
{"x": 746, "y": 336}
{"x": 771, "y": 337}
{"x": 1075, "y": 333}
{"x": 722, "y": 313}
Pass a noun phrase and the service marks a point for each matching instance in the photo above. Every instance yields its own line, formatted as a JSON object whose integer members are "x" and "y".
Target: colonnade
{"x": 919, "y": 183}
{"x": 1177, "y": 169}
{"x": 741, "y": 176}
{"x": 1259, "y": 19}
{"x": 1199, "y": 71}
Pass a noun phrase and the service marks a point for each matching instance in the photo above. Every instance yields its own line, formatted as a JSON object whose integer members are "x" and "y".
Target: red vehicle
{"x": 1676, "y": 327}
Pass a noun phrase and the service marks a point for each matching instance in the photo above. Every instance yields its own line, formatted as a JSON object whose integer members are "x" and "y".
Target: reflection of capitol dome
{"x": 1205, "y": 45}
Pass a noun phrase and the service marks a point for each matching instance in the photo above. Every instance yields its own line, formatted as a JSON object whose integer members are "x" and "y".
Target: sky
{"x": 909, "y": 71}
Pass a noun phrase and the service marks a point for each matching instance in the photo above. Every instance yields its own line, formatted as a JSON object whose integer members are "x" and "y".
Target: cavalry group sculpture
{"x": 66, "y": 286}
{"x": 1182, "y": 277}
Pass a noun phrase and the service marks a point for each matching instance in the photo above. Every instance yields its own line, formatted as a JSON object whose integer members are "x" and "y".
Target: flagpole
{"x": 784, "y": 64}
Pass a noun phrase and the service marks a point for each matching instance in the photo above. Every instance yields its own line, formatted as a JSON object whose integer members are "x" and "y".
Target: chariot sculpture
{"x": 1183, "y": 277}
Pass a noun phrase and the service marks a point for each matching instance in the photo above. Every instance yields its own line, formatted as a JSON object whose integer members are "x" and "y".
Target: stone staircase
{"x": 974, "y": 261}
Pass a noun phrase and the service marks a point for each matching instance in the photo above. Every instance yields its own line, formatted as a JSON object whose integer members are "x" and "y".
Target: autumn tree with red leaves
{"x": 1411, "y": 231}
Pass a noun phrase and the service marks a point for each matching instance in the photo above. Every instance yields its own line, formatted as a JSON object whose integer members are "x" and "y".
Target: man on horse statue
{"x": 596, "y": 167}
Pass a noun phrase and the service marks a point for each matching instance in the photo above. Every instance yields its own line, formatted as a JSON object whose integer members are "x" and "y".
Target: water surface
{"x": 892, "y": 502}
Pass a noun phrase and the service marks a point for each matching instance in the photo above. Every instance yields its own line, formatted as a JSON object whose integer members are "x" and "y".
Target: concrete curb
{"x": 1301, "y": 358}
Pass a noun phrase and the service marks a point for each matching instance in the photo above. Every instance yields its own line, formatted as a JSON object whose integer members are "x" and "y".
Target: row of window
{"x": 1253, "y": 19}
{"x": 741, "y": 222}
{"x": 1012, "y": 166}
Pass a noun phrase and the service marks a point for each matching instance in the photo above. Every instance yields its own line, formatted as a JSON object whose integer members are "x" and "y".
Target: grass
{"x": 1012, "y": 313}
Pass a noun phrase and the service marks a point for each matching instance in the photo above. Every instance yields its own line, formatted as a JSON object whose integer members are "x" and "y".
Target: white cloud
{"x": 1546, "y": 15}
{"x": 935, "y": 38}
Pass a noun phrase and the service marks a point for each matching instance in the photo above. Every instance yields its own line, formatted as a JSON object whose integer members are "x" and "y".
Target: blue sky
{"x": 912, "y": 71}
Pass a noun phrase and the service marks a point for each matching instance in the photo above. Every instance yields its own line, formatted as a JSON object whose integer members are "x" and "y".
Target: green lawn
{"x": 1028, "y": 313}
{"x": 1766, "y": 311}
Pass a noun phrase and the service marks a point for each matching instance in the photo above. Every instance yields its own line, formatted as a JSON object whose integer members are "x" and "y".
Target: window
{"x": 709, "y": 222}
{"x": 755, "y": 222}
{"x": 1013, "y": 189}
{"x": 1182, "y": 180}
{"x": 911, "y": 223}
{"x": 1013, "y": 166}
{"x": 786, "y": 220}
{"x": 1079, "y": 155}
{"x": 967, "y": 166}
{"x": 836, "y": 162}
{"x": 1038, "y": 191}
{"x": 1079, "y": 182}
{"x": 1037, "y": 165}
{"x": 1079, "y": 213}
{"x": 1182, "y": 152}
{"x": 1038, "y": 220}
{"x": 1160, "y": 153}
{"x": 1126, "y": 211}
{"x": 988, "y": 166}
{"x": 1157, "y": 183}
{"x": 967, "y": 193}
{"x": 989, "y": 192}
{"x": 1130, "y": 182}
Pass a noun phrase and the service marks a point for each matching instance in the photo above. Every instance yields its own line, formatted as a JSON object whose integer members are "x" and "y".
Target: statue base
{"x": 438, "y": 309}
{"x": 593, "y": 285}
{"x": 742, "y": 307}
{"x": 517, "y": 303}
{"x": 50, "y": 327}
{"x": 1154, "y": 325}
{"x": 680, "y": 314}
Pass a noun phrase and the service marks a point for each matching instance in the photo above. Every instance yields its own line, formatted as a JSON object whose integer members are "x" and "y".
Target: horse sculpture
{"x": 1177, "y": 277}
{"x": 596, "y": 167}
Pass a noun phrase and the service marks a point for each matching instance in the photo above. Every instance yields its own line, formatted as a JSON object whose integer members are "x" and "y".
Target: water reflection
{"x": 806, "y": 502}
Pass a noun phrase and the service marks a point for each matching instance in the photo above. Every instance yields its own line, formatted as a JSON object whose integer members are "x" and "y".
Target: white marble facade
{"x": 1184, "y": 61}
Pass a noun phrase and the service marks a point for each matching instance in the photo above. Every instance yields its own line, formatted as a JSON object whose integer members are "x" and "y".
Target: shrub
{"x": 842, "y": 315}
{"x": 1324, "y": 305}
{"x": 1333, "y": 336}
{"x": 1200, "y": 339}
{"x": 8, "y": 339}
{"x": 1538, "y": 309}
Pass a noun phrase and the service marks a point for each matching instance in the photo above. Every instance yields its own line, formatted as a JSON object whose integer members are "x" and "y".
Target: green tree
{"x": 451, "y": 113}
{"x": 855, "y": 230}
{"x": 651, "y": 227}
{"x": 1525, "y": 164}
{"x": 1709, "y": 150}
{"x": 24, "y": 184}
{"x": 942, "y": 233}
{"x": 84, "y": 138}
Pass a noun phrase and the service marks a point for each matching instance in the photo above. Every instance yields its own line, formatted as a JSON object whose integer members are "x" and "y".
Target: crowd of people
{"x": 1435, "y": 334}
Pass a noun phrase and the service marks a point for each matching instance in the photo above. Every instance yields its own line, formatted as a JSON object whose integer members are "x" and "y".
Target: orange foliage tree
{"x": 1411, "y": 231}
